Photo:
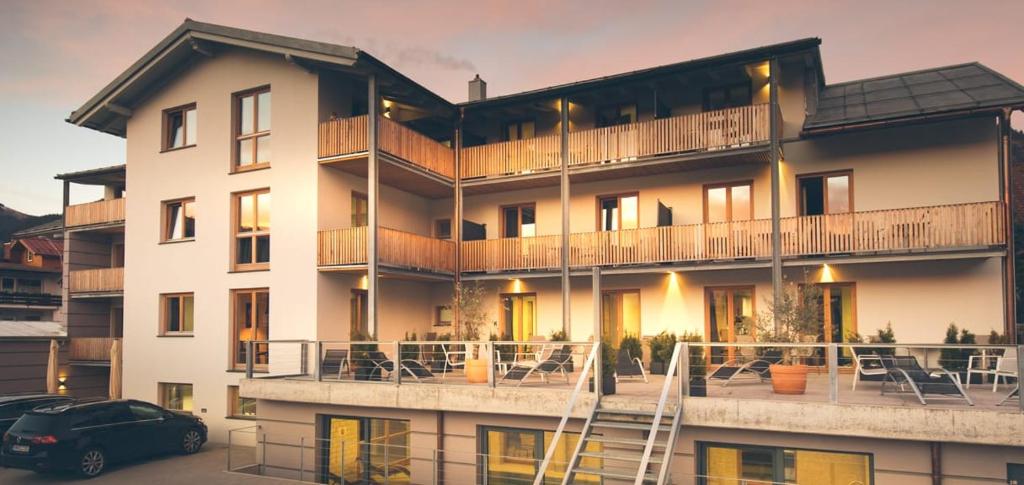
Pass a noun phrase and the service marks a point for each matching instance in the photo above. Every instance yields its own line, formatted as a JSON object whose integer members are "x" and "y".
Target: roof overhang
{"x": 112, "y": 175}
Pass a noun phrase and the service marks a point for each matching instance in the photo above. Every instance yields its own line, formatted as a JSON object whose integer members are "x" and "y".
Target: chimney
{"x": 477, "y": 89}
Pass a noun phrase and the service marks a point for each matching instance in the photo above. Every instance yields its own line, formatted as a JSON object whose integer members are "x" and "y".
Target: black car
{"x": 12, "y": 407}
{"x": 85, "y": 438}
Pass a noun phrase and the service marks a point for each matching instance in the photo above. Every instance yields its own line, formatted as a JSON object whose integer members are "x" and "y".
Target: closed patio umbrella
{"x": 115, "y": 369}
{"x": 51, "y": 368}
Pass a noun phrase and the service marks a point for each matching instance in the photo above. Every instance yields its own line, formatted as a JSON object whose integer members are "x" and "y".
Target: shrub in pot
{"x": 795, "y": 318}
{"x": 698, "y": 369}
{"x": 955, "y": 359}
{"x": 661, "y": 351}
{"x": 608, "y": 355}
{"x": 361, "y": 367}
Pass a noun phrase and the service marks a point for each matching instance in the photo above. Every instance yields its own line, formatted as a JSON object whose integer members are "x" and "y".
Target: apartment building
{"x": 681, "y": 198}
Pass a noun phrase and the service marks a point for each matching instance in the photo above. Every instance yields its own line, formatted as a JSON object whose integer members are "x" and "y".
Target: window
{"x": 252, "y": 129}
{"x": 382, "y": 455}
{"x": 623, "y": 114}
{"x": 722, "y": 97}
{"x": 616, "y": 212}
{"x": 7, "y": 285}
{"x": 826, "y": 193}
{"x": 32, "y": 286}
{"x": 620, "y": 314}
{"x": 728, "y": 464}
{"x": 177, "y": 314}
{"x": 145, "y": 412}
{"x": 728, "y": 202}
{"x": 443, "y": 315}
{"x": 360, "y": 210}
{"x": 519, "y": 220}
{"x": 180, "y": 127}
{"x": 176, "y": 396}
{"x": 251, "y": 322}
{"x": 443, "y": 229}
{"x": 358, "y": 323}
{"x": 240, "y": 407}
{"x": 179, "y": 220}
{"x": 252, "y": 230}
{"x": 520, "y": 130}
{"x": 512, "y": 455}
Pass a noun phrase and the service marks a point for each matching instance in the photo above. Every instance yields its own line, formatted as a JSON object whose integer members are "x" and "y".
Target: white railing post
{"x": 318, "y": 363}
{"x": 491, "y": 381}
{"x": 397, "y": 362}
{"x": 833, "y": 373}
{"x": 684, "y": 372}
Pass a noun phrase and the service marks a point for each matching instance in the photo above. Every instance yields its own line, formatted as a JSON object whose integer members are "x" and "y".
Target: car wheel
{"x": 91, "y": 462}
{"x": 191, "y": 441}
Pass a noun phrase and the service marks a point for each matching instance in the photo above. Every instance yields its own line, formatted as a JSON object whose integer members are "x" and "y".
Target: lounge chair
{"x": 867, "y": 365}
{"x": 627, "y": 366}
{"x": 555, "y": 363}
{"x": 758, "y": 368}
{"x": 906, "y": 375}
{"x": 416, "y": 370}
{"x": 334, "y": 363}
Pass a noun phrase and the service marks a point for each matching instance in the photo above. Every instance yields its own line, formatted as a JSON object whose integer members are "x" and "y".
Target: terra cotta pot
{"x": 789, "y": 379}
{"x": 476, "y": 371}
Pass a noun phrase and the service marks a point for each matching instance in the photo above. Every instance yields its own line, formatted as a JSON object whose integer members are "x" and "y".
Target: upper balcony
{"x": 96, "y": 281}
{"x": 345, "y": 249}
{"x": 30, "y": 300}
{"x": 959, "y": 227}
{"x": 99, "y": 213}
{"x": 90, "y": 350}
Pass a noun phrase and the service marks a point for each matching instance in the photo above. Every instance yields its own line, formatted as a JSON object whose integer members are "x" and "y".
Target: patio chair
{"x": 1004, "y": 366}
{"x": 379, "y": 363}
{"x": 452, "y": 359}
{"x": 627, "y": 366}
{"x": 555, "y": 363}
{"x": 335, "y": 363}
{"x": 867, "y": 365}
{"x": 757, "y": 368}
{"x": 906, "y": 375}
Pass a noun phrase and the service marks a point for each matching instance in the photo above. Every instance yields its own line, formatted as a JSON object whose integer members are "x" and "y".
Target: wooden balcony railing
{"x": 348, "y": 136}
{"x": 512, "y": 157}
{"x": 696, "y": 242}
{"x": 528, "y": 253}
{"x": 90, "y": 348}
{"x": 398, "y": 248}
{"x": 98, "y": 280}
{"x": 99, "y": 212}
{"x": 733, "y": 127}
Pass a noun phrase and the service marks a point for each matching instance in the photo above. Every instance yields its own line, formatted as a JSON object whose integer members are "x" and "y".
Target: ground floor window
{"x": 364, "y": 450}
{"x": 620, "y": 314}
{"x": 722, "y": 464}
{"x": 512, "y": 456}
{"x": 238, "y": 406}
{"x": 176, "y": 396}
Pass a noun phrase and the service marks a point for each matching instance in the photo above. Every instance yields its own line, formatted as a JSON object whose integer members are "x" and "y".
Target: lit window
{"x": 179, "y": 220}
{"x": 252, "y": 129}
{"x": 728, "y": 202}
{"x": 180, "y": 127}
{"x": 512, "y": 455}
{"x": 177, "y": 314}
{"x": 252, "y": 230}
{"x": 618, "y": 212}
{"x": 251, "y": 322}
{"x": 240, "y": 407}
{"x": 176, "y": 396}
{"x": 762, "y": 464}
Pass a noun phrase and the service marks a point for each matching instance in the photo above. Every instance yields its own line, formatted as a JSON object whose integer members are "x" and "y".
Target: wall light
{"x": 826, "y": 274}
{"x": 62, "y": 383}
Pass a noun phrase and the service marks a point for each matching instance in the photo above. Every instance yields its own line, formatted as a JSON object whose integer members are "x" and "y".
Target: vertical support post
{"x": 684, "y": 372}
{"x": 396, "y": 361}
{"x": 595, "y": 277}
{"x": 372, "y": 196}
{"x": 776, "y": 163}
{"x": 64, "y": 208}
{"x": 248, "y": 358}
{"x": 564, "y": 191}
{"x": 318, "y": 370}
{"x": 936, "y": 449}
{"x": 230, "y": 432}
{"x": 302, "y": 456}
{"x": 1020, "y": 372}
{"x": 263, "y": 455}
{"x": 1006, "y": 197}
{"x": 833, "y": 373}
{"x": 490, "y": 364}
{"x": 433, "y": 475}
{"x": 457, "y": 221}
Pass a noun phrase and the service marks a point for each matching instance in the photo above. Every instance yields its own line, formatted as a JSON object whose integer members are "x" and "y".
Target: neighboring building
{"x": 889, "y": 193}
{"x": 30, "y": 280}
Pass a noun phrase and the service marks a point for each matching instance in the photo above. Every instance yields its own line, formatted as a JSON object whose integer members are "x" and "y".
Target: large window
{"x": 826, "y": 193}
{"x": 615, "y": 212}
{"x": 512, "y": 456}
{"x": 252, "y": 230}
{"x": 722, "y": 97}
{"x": 365, "y": 450}
{"x": 238, "y": 406}
{"x": 620, "y": 315}
{"x": 252, "y": 129}
{"x": 176, "y": 396}
{"x": 180, "y": 127}
{"x": 251, "y": 322}
{"x": 519, "y": 220}
{"x": 726, "y": 464}
{"x": 728, "y": 202}
{"x": 179, "y": 220}
{"x": 360, "y": 210}
{"x": 177, "y": 312}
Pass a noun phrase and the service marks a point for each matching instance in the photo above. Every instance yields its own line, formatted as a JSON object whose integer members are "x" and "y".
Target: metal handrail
{"x": 656, "y": 422}
{"x": 550, "y": 453}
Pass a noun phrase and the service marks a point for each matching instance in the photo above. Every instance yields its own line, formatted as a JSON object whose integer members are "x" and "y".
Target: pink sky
{"x": 57, "y": 54}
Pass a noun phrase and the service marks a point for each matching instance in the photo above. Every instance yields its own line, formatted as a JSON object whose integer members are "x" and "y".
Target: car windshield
{"x": 34, "y": 424}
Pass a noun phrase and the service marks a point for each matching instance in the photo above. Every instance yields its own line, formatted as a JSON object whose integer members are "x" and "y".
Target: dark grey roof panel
{"x": 914, "y": 94}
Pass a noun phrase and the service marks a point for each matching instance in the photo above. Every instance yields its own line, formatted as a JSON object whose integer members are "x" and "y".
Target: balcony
{"x": 723, "y": 131}
{"x": 338, "y": 248}
{"x": 344, "y": 141}
{"x": 30, "y": 299}
{"x": 97, "y": 280}
{"x": 90, "y": 349}
{"x": 95, "y": 213}
{"x": 895, "y": 231}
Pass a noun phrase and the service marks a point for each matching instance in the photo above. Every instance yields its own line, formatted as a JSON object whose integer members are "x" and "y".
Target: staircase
{"x": 635, "y": 443}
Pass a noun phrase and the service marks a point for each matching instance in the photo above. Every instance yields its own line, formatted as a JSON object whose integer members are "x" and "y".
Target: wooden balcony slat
{"x": 99, "y": 212}
{"x": 90, "y": 348}
{"x": 348, "y": 136}
{"x": 512, "y": 157}
{"x": 336, "y": 247}
{"x": 96, "y": 280}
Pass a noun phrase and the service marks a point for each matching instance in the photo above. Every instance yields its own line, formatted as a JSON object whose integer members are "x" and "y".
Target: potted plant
{"x": 361, "y": 367}
{"x": 409, "y": 351}
{"x": 661, "y": 346}
{"x": 955, "y": 359}
{"x": 608, "y": 355}
{"x": 698, "y": 370}
{"x": 795, "y": 317}
{"x": 468, "y": 298}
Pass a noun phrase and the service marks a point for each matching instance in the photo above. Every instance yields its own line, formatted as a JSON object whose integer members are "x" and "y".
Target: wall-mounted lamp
{"x": 62, "y": 383}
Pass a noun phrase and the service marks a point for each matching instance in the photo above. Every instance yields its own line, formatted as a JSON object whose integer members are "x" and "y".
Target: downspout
{"x": 936, "y": 449}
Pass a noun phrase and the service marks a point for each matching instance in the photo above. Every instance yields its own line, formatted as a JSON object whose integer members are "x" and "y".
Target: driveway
{"x": 204, "y": 467}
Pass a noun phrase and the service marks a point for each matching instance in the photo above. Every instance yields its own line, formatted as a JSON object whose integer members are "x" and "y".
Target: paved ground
{"x": 204, "y": 467}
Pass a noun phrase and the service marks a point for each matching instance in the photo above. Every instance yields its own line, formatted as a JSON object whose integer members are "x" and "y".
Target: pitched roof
{"x": 43, "y": 246}
{"x": 96, "y": 176}
{"x": 53, "y": 227}
{"x": 941, "y": 90}
{"x": 23, "y": 329}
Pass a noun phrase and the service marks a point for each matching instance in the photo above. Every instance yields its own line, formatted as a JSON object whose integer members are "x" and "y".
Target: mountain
{"x": 12, "y": 221}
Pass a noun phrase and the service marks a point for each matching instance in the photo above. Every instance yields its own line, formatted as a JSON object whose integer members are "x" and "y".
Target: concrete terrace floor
{"x": 204, "y": 467}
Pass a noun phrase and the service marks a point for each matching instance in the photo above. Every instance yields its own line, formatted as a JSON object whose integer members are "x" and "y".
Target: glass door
{"x": 519, "y": 316}
{"x": 730, "y": 318}
{"x": 620, "y": 315}
{"x": 365, "y": 450}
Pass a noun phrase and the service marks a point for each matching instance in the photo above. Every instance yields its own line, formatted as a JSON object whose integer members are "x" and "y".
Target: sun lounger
{"x": 334, "y": 363}
{"x": 555, "y": 363}
{"x": 905, "y": 375}
{"x": 627, "y": 366}
{"x": 756, "y": 369}
{"x": 866, "y": 365}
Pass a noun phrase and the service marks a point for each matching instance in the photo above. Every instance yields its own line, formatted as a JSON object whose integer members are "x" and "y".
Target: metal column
{"x": 595, "y": 277}
{"x": 457, "y": 223}
{"x": 566, "y": 295}
{"x": 372, "y": 192}
{"x": 775, "y": 155}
